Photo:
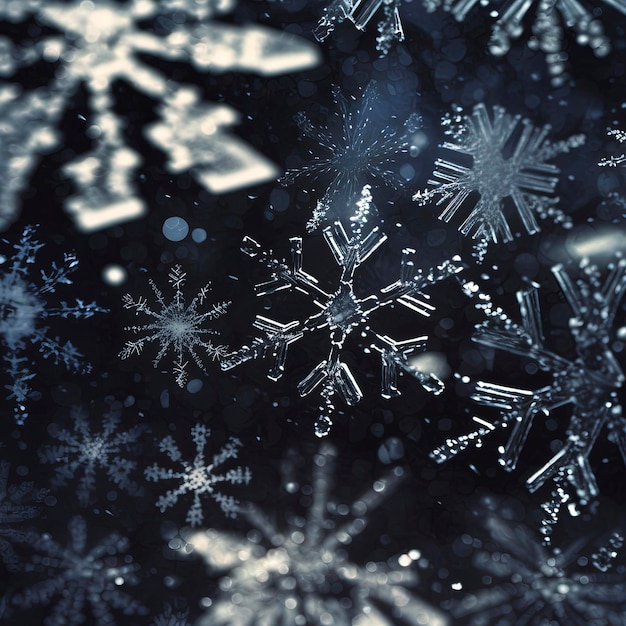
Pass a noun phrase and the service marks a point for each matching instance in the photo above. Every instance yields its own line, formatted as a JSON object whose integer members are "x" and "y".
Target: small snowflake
{"x": 200, "y": 477}
{"x": 525, "y": 178}
{"x": 24, "y": 304}
{"x": 177, "y": 327}
{"x": 614, "y": 161}
{"x": 81, "y": 451}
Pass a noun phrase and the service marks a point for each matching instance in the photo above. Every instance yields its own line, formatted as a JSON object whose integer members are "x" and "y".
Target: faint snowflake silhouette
{"x": 302, "y": 574}
{"x": 169, "y": 618}
{"x": 24, "y": 304}
{"x": 177, "y": 327}
{"x": 83, "y": 578}
{"x": 200, "y": 477}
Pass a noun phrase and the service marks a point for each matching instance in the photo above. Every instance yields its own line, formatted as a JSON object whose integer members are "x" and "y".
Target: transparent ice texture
{"x": 504, "y": 160}
{"x": 548, "y": 17}
{"x": 341, "y": 312}
{"x": 86, "y": 450}
{"x": 300, "y": 572}
{"x": 27, "y": 301}
{"x": 615, "y": 160}
{"x": 177, "y": 326}
{"x": 78, "y": 580}
{"x": 94, "y": 44}
{"x": 534, "y": 585}
{"x": 359, "y": 142}
{"x": 589, "y": 383}
{"x": 19, "y": 503}
{"x": 202, "y": 477}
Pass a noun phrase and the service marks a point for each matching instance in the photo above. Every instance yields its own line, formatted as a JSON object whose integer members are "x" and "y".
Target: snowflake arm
{"x": 614, "y": 161}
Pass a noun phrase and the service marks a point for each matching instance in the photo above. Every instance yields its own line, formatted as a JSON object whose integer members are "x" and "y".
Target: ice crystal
{"x": 177, "y": 327}
{"x": 539, "y": 585}
{"x": 356, "y": 144}
{"x": 614, "y": 161}
{"x": 360, "y": 13}
{"x": 341, "y": 312}
{"x": 509, "y": 163}
{"x": 94, "y": 44}
{"x": 200, "y": 477}
{"x": 302, "y": 574}
{"x": 81, "y": 453}
{"x": 18, "y": 504}
{"x": 589, "y": 382}
{"x": 84, "y": 579}
{"x": 24, "y": 304}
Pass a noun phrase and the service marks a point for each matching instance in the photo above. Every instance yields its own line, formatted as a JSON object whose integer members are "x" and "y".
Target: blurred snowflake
{"x": 18, "y": 504}
{"x": 341, "y": 313}
{"x": 81, "y": 451}
{"x": 614, "y": 161}
{"x": 177, "y": 327}
{"x": 169, "y": 618}
{"x": 95, "y": 44}
{"x": 23, "y": 304}
{"x": 200, "y": 477}
{"x": 589, "y": 382}
{"x": 302, "y": 574}
{"x": 509, "y": 161}
{"x": 81, "y": 576}
{"x": 356, "y": 144}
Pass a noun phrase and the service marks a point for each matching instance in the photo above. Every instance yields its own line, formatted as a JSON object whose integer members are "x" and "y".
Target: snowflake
{"x": 356, "y": 144}
{"x": 177, "y": 327}
{"x": 547, "y": 32}
{"x": 614, "y": 161}
{"x": 525, "y": 177}
{"x": 360, "y": 12}
{"x": 341, "y": 313}
{"x": 302, "y": 575}
{"x": 81, "y": 576}
{"x": 95, "y": 44}
{"x": 18, "y": 504}
{"x": 169, "y": 618}
{"x": 24, "y": 303}
{"x": 199, "y": 477}
{"x": 82, "y": 451}
{"x": 540, "y": 586}
{"x": 589, "y": 383}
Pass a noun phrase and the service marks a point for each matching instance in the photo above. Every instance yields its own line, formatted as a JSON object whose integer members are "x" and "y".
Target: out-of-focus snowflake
{"x": 24, "y": 305}
{"x": 81, "y": 451}
{"x": 95, "y": 44}
{"x": 539, "y": 585}
{"x": 83, "y": 578}
{"x": 359, "y": 142}
{"x": 199, "y": 477}
{"x": 302, "y": 574}
{"x": 588, "y": 382}
{"x": 341, "y": 312}
{"x": 169, "y": 618}
{"x": 547, "y": 26}
{"x": 509, "y": 162}
{"x": 177, "y": 327}
{"x": 603, "y": 559}
{"x": 360, "y": 13}
{"x": 18, "y": 504}
{"x": 615, "y": 160}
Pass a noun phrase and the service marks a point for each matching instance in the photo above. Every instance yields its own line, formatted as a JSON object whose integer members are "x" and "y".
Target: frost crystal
{"x": 95, "y": 44}
{"x": 177, "y": 327}
{"x": 614, "y": 161}
{"x": 589, "y": 383}
{"x": 24, "y": 303}
{"x": 509, "y": 161}
{"x": 200, "y": 477}
{"x": 341, "y": 312}
{"x": 357, "y": 144}
{"x": 18, "y": 505}
{"x": 540, "y": 586}
{"x": 83, "y": 453}
{"x": 81, "y": 576}
{"x": 302, "y": 574}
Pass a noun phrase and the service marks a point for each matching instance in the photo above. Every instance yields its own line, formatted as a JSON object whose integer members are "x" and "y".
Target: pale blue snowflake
{"x": 82, "y": 578}
{"x": 201, "y": 477}
{"x": 25, "y": 305}
{"x": 81, "y": 453}
{"x": 176, "y": 326}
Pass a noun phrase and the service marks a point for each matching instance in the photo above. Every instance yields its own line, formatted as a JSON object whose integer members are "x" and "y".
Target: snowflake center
{"x": 200, "y": 479}
{"x": 495, "y": 177}
{"x": 344, "y": 310}
{"x": 93, "y": 449}
{"x": 18, "y": 310}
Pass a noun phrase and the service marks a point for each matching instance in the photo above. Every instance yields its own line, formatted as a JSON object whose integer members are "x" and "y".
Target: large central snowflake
{"x": 98, "y": 43}
{"x": 341, "y": 312}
